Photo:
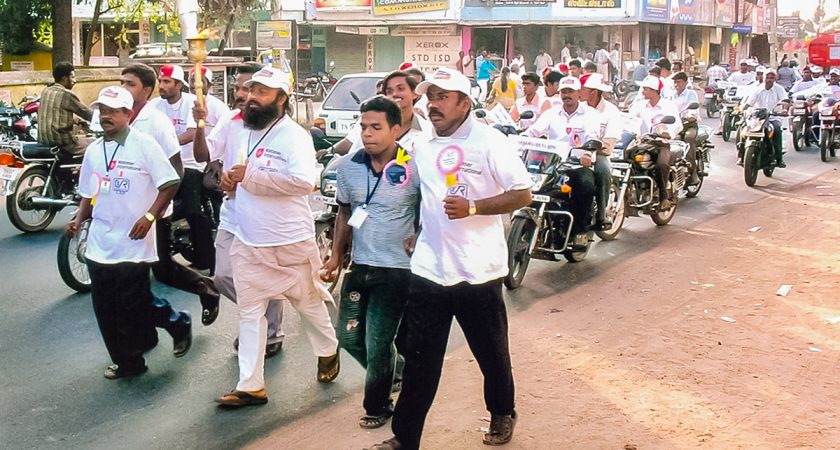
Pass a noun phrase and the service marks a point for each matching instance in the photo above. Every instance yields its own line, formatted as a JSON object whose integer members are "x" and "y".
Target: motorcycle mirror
{"x": 332, "y": 64}
{"x": 356, "y": 98}
{"x": 318, "y": 135}
{"x": 480, "y": 114}
{"x": 668, "y": 120}
{"x": 693, "y": 105}
{"x": 592, "y": 145}
{"x": 800, "y": 97}
{"x": 527, "y": 115}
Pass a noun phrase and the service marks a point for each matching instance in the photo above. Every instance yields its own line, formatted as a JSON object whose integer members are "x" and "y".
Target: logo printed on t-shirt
{"x": 121, "y": 185}
{"x": 459, "y": 190}
{"x": 112, "y": 165}
{"x": 260, "y": 152}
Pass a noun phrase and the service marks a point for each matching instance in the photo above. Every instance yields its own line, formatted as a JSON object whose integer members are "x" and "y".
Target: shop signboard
{"x": 592, "y": 4}
{"x": 391, "y": 7}
{"x": 693, "y": 12}
{"x": 432, "y": 52}
{"x": 724, "y": 12}
{"x": 411, "y": 30}
{"x": 655, "y": 10}
{"x": 787, "y": 27}
{"x": 276, "y": 34}
{"x": 342, "y": 5}
{"x": 742, "y": 29}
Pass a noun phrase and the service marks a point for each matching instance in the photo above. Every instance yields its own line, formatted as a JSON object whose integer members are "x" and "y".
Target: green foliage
{"x": 23, "y": 23}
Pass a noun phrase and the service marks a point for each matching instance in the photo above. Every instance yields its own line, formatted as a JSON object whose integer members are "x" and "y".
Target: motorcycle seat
{"x": 34, "y": 150}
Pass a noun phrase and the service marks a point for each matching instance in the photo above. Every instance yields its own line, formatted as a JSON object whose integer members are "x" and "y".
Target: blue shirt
{"x": 392, "y": 209}
{"x": 485, "y": 69}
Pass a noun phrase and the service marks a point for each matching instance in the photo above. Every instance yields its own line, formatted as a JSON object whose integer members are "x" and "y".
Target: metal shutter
{"x": 348, "y": 51}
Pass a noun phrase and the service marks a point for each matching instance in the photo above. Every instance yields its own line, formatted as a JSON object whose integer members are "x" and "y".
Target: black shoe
{"x": 501, "y": 429}
{"x": 270, "y": 349}
{"x": 390, "y": 444}
{"x": 781, "y": 164}
{"x": 181, "y": 345}
{"x": 740, "y": 162}
{"x": 114, "y": 371}
{"x": 209, "y": 308}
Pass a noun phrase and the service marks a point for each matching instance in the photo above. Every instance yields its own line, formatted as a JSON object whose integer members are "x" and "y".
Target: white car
{"x": 340, "y": 110}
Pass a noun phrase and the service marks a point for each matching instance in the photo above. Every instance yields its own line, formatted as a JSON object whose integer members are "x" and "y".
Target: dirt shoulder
{"x": 705, "y": 356}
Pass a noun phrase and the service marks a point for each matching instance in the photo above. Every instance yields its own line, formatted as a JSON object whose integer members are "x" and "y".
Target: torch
{"x": 198, "y": 53}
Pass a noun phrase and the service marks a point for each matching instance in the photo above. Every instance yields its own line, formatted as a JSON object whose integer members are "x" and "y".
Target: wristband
{"x": 150, "y": 217}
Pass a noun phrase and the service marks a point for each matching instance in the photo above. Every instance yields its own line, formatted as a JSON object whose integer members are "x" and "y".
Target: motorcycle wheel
{"x": 710, "y": 109}
{"x": 521, "y": 233}
{"x": 727, "y": 127}
{"x": 825, "y": 143}
{"x": 324, "y": 239}
{"x": 751, "y": 163}
{"x": 71, "y": 267}
{"x": 576, "y": 257}
{"x": 691, "y": 191}
{"x": 319, "y": 94}
{"x": 616, "y": 216}
{"x": 661, "y": 218}
{"x": 21, "y": 214}
{"x": 798, "y": 139}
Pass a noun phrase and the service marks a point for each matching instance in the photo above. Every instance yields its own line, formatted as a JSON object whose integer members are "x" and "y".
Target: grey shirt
{"x": 392, "y": 211}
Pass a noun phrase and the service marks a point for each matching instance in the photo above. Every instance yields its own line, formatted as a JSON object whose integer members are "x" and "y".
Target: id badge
{"x": 358, "y": 217}
{"x": 105, "y": 186}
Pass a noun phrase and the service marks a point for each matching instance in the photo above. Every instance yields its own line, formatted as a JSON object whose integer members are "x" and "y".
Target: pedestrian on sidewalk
{"x": 274, "y": 253}
{"x": 468, "y": 178}
{"x": 224, "y": 144}
{"x": 126, "y": 182}
{"x": 378, "y": 193}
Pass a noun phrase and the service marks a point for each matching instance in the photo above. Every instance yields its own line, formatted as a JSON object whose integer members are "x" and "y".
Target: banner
{"x": 390, "y": 7}
{"x": 592, "y": 3}
{"x": 788, "y": 27}
{"x": 724, "y": 12}
{"x": 655, "y": 10}
{"x": 275, "y": 34}
{"x": 342, "y": 5}
{"x": 684, "y": 11}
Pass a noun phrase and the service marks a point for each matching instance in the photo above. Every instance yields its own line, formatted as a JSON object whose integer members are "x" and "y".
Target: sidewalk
{"x": 707, "y": 357}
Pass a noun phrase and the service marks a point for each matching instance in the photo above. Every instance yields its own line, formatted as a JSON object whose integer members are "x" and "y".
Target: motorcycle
{"x": 714, "y": 97}
{"x": 318, "y": 84}
{"x": 828, "y": 127}
{"x": 731, "y": 113}
{"x": 801, "y": 121}
{"x": 702, "y": 151}
{"x": 543, "y": 230}
{"x": 19, "y": 123}
{"x": 756, "y": 143}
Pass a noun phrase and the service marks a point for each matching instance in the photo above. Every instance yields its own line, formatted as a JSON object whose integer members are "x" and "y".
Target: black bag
{"x": 213, "y": 175}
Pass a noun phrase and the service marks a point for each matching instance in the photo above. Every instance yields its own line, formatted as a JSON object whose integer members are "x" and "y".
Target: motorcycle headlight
{"x": 754, "y": 124}
{"x": 826, "y": 112}
{"x": 538, "y": 180}
{"x": 328, "y": 187}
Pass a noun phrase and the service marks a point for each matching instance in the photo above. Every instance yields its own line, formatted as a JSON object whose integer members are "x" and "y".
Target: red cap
{"x": 406, "y": 65}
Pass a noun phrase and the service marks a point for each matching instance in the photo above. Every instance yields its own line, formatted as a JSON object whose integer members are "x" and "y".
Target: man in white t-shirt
{"x": 767, "y": 97}
{"x": 224, "y": 144}
{"x": 602, "y": 59}
{"x": 592, "y": 92}
{"x": 530, "y": 101}
{"x": 274, "y": 253}
{"x": 469, "y": 176}
{"x": 542, "y": 60}
{"x": 192, "y": 201}
{"x": 126, "y": 182}
{"x": 744, "y": 76}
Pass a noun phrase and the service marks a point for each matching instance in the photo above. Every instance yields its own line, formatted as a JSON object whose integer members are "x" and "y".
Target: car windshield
{"x": 340, "y": 98}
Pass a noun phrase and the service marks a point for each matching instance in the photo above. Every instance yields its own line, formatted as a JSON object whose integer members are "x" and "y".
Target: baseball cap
{"x": 761, "y": 69}
{"x": 205, "y": 72}
{"x": 768, "y": 70}
{"x": 834, "y": 71}
{"x": 569, "y": 83}
{"x": 651, "y": 82}
{"x": 816, "y": 69}
{"x": 271, "y": 77}
{"x": 406, "y": 65}
{"x": 448, "y": 80}
{"x": 743, "y": 62}
{"x": 562, "y": 68}
{"x": 595, "y": 81}
{"x": 173, "y": 71}
{"x": 114, "y": 97}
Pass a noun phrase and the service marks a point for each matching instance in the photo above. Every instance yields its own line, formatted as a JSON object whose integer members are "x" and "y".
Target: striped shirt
{"x": 55, "y": 115}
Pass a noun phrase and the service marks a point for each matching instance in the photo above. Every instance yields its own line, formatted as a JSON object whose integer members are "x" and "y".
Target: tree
{"x": 62, "y": 30}
{"x": 21, "y": 24}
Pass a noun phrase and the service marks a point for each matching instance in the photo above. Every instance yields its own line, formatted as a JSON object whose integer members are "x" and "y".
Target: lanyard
{"x": 261, "y": 139}
{"x": 369, "y": 192}
{"x": 105, "y": 154}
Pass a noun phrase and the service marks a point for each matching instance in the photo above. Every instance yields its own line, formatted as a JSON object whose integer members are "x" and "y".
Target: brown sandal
{"x": 328, "y": 368}
{"x": 238, "y": 399}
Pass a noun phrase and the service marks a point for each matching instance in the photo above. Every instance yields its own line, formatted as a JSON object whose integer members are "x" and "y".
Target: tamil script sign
{"x": 655, "y": 10}
{"x": 389, "y": 7}
{"x": 276, "y": 34}
{"x": 432, "y": 52}
{"x": 592, "y": 3}
{"x": 788, "y": 27}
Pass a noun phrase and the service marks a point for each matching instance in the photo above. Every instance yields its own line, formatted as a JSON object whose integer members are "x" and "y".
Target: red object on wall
{"x": 824, "y": 50}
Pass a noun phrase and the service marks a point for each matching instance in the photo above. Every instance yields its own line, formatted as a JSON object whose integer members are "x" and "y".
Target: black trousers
{"x": 172, "y": 273}
{"x": 193, "y": 203}
{"x": 689, "y": 136}
{"x": 480, "y": 310}
{"x": 122, "y": 302}
{"x": 663, "y": 168}
{"x": 582, "y": 181}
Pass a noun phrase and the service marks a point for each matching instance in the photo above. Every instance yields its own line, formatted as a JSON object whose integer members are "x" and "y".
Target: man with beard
{"x": 469, "y": 176}
{"x": 224, "y": 144}
{"x": 192, "y": 198}
{"x": 274, "y": 252}
{"x": 574, "y": 123}
{"x": 126, "y": 182}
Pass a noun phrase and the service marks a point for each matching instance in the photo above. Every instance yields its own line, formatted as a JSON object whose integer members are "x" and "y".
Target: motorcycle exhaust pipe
{"x": 51, "y": 202}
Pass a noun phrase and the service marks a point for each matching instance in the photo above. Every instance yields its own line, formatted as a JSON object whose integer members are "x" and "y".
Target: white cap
{"x": 769, "y": 70}
{"x": 114, "y": 97}
{"x": 448, "y": 80}
{"x": 173, "y": 71}
{"x": 204, "y": 71}
{"x": 816, "y": 69}
{"x": 569, "y": 83}
{"x": 652, "y": 82}
{"x": 595, "y": 81}
{"x": 752, "y": 62}
{"x": 760, "y": 69}
{"x": 271, "y": 77}
{"x": 834, "y": 71}
{"x": 743, "y": 62}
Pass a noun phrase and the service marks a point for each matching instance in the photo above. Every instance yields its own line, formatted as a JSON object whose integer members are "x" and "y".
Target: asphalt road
{"x": 53, "y": 356}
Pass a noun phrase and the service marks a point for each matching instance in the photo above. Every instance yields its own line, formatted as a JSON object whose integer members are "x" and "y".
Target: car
{"x": 340, "y": 110}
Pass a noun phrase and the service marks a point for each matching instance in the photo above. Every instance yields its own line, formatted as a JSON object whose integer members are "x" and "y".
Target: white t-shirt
{"x": 216, "y": 110}
{"x": 136, "y": 171}
{"x": 522, "y": 105}
{"x": 804, "y": 85}
{"x": 472, "y": 249}
{"x": 152, "y": 122}
{"x": 574, "y": 129}
{"x": 611, "y": 122}
{"x": 767, "y": 98}
{"x": 284, "y": 156}
{"x": 682, "y": 101}
{"x": 226, "y": 142}
{"x": 652, "y": 115}
{"x": 420, "y": 129}
{"x": 741, "y": 79}
{"x": 180, "y": 113}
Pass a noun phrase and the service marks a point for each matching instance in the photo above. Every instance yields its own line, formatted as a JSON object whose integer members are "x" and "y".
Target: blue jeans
{"x": 372, "y": 304}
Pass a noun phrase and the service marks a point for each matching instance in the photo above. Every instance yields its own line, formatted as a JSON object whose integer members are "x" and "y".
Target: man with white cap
{"x": 274, "y": 253}
{"x": 744, "y": 76}
{"x": 759, "y": 74}
{"x": 192, "y": 195}
{"x": 651, "y": 112}
{"x": 767, "y": 97}
{"x": 807, "y": 82}
{"x": 682, "y": 98}
{"x": 126, "y": 182}
{"x": 610, "y": 131}
{"x": 574, "y": 122}
{"x": 469, "y": 176}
